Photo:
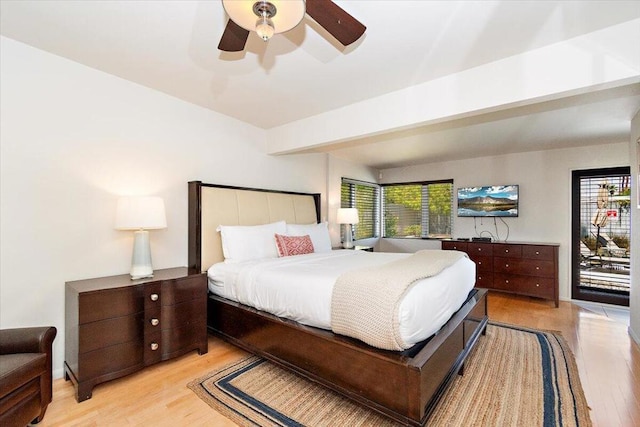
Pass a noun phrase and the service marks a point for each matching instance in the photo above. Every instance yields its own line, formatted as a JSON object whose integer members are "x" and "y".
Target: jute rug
{"x": 514, "y": 377}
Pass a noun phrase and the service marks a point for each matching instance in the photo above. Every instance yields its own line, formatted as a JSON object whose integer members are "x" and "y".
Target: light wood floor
{"x": 609, "y": 363}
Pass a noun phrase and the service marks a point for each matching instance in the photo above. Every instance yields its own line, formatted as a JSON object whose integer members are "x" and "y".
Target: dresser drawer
{"x": 106, "y": 304}
{"x": 153, "y": 347}
{"x": 449, "y": 245}
{"x": 536, "y": 286}
{"x": 545, "y": 253}
{"x": 507, "y": 250}
{"x": 105, "y": 333}
{"x": 485, "y": 249}
{"x": 179, "y": 290}
{"x": 483, "y": 263}
{"x": 505, "y": 282}
{"x": 484, "y": 279}
{"x": 110, "y": 361}
{"x": 526, "y": 267}
{"x": 183, "y": 314}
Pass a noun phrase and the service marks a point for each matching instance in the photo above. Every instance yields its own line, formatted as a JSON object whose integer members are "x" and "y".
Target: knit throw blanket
{"x": 365, "y": 302}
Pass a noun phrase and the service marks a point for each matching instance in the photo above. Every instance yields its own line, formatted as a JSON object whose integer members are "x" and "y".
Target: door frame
{"x": 607, "y": 297}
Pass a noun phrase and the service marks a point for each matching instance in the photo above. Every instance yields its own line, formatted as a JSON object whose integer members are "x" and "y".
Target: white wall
{"x": 72, "y": 140}
{"x": 544, "y": 178}
{"x": 634, "y": 301}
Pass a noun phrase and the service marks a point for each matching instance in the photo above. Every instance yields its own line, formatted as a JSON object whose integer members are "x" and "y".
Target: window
{"x": 423, "y": 209}
{"x": 365, "y": 197}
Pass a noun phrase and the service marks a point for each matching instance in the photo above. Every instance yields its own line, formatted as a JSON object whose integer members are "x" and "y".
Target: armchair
{"x": 25, "y": 374}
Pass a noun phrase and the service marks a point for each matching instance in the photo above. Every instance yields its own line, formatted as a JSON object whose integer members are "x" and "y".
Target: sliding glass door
{"x": 601, "y": 234}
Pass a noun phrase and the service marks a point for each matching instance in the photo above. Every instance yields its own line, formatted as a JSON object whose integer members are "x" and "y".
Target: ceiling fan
{"x": 271, "y": 17}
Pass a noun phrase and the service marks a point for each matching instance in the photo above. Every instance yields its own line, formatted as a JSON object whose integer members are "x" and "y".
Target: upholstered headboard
{"x": 212, "y": 205}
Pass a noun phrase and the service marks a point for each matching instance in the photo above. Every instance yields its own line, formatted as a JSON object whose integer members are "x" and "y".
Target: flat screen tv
{"x": 495, "y": 200}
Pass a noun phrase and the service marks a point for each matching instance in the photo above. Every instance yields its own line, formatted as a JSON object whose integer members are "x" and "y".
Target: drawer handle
{"x": 479, "y": 262}
{"x": 154, "y": 297}
{"x": 506, "y": 251}
{"x": 479, "y": 277}
{"x": 537, "y": 268}
{"x": 537, "y": 285}
{"x": 155, "y": 321}
{"x": 506, "y": 265}
{"x": 506, "y": 281}
{"x": 537, "y": 253}
{"x": 479, "y": 249}
{"x": 455, "y": 247}
{"x": 154, "y": 346}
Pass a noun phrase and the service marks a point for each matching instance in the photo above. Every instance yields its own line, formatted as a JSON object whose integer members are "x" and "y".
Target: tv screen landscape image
{"x": 488, "y": 201}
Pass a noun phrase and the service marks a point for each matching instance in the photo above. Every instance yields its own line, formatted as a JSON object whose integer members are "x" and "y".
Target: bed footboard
{"x": 405, "y": 386}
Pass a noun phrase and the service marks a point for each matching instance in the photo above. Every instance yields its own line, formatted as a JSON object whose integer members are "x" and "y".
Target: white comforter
{"x": 299, "y": 288}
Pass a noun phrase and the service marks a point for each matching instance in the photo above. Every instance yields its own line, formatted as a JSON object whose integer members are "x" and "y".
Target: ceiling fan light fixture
{"x": 265, "y": 28}
{"x": 281, "y": 15}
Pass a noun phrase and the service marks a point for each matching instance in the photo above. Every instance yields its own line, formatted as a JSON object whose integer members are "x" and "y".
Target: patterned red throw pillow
{"x": 294, "y": 245}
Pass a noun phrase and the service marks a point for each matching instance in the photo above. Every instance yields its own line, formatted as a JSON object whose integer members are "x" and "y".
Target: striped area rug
{"x": 514, "y": 377}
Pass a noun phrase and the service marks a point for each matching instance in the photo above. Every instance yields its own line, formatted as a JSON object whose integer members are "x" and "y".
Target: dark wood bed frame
{"x": 405, "y": 386}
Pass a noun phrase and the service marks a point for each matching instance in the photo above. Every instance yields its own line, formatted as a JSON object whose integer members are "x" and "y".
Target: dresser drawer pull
{"x": 479, "y": 262}
{"x": 537, "y": 285}
{"x": 506, "y": 251}
{"x": 155, "y": 321}
{"x": 506, "y": 265}
{"x": 455, "y": 247}
{"x": 537, "y": 252}
{"x": 479, "y": 249}
{"x": 537, "y": 268}
{"x": 506, "y": 281}
{"x": 154, "y": 346}
{"x": 154, "y": 297}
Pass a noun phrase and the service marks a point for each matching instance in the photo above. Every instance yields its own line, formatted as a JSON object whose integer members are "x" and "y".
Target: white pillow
{"x": 319, "y": 234}
{"x": 249, "y": 242}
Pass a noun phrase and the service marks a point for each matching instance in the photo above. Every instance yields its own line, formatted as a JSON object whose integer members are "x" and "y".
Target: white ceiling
{"x": 171, "y": 46}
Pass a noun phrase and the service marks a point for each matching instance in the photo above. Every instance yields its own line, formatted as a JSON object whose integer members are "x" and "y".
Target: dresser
{"x": 520, "y": 268}
{"x": 115, "y": 326}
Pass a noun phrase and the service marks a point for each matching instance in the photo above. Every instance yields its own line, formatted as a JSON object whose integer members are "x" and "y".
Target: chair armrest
{"x": 27, "y": 340}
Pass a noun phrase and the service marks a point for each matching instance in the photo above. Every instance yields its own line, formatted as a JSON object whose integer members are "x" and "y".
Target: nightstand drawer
{"x": 106, "y": 304}
{"x": 179, "y": 290}
{"x": 105, "y": 333}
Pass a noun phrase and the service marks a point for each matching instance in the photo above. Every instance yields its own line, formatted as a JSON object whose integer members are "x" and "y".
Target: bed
{"x": 404, "y": 385}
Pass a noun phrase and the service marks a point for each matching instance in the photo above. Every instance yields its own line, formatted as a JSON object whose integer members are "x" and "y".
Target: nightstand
{"x": 115, "y": 326}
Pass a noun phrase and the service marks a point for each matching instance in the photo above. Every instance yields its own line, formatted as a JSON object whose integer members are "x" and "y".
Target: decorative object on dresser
{"x": 519, "y": 268}
{"x": 141, "y": 214}
{"x": 115, "y": 326}
{"x": 348, "y": 217}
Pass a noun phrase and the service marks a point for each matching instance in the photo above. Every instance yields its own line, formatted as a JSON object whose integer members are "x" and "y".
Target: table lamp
{"x": 348, "y": 216}
{"x": 140, "y": 214}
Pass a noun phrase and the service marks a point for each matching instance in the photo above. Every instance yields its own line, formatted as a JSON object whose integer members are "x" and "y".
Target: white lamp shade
{"x": 348, "y": 216}
{"x": 140, "y": 213}
{"x": 289, "y": 13}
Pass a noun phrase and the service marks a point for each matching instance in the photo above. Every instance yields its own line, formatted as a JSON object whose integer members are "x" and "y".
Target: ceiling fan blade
{"x": 234, "y": 38}
{"x": 344, "y": 27}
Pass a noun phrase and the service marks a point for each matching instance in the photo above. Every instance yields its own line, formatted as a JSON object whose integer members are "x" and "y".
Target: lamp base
{"x": 348, "y": 238}
{"x": 141, "y": 267}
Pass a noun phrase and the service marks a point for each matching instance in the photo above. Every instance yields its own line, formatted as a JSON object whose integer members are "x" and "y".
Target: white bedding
{"x": 299, "y": 288}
